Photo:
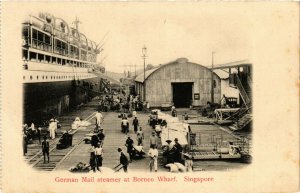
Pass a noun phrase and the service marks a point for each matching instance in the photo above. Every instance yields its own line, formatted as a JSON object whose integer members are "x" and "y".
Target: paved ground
{"x": 115, "y": 138}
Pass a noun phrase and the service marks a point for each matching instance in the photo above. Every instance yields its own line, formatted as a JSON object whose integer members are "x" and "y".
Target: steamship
{"x": 60, "y": 69}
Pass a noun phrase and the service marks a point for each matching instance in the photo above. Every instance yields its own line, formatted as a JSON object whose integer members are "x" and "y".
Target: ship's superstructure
{"x": 58, "y": 63}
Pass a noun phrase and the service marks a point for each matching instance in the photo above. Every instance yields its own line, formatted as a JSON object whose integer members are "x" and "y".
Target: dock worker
{"x": 135, "y": 124}
{"x": 101, "y": 136}
{"x": 45, "y": 149}
{"x": 57, "y": 125}
{"x": 99, "y": 118}
{"x": 134, "y": 113}
{"x": 153, "y": 139}
{"x": 99, "y": 156}
{"x": 33, "y": 129}
{"x": 169, "y": 152}
{"x": 129, "y": 145}
{"x": 94, "y": 140}
{"x": 140, "y": 136}
{"x": 52, "y": 128}
{"x": 123, "y": 160}
{"x": 93, "y": 161}
{"x": 38, "y": 134}
{"x": 125, "y": 125}
{"x": 153, "y": 154}
{"x": 188, "y": 162}
{"x": 178, "y": 151}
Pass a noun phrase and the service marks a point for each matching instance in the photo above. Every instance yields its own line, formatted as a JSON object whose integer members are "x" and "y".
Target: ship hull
{"x": 43, "y": 100}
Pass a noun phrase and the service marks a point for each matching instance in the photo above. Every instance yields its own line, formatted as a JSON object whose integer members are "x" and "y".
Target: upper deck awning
{"x": 235, "y": 64}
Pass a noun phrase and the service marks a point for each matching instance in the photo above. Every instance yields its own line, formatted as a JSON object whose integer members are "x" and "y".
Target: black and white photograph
{"x": 145, "y": 96}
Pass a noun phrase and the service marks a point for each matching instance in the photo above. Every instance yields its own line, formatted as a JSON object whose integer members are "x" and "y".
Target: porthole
{"x": 51, "y": 77}
{"x": 30, "y": 77}
{"x": 23, "y": 77}
{"x": 42, "y": 77}
{"x": 37, "y": 77}
{"x": 46, "y": 77}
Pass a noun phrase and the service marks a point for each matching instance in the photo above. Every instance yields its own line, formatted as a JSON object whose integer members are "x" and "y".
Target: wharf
{"x": 114, "y": 138}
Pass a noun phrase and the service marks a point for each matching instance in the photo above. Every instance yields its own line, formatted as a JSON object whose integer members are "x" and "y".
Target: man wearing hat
{"x": 168, "y": 153}
{"x": 45, "y": 149}
{"x": 178, "y": 151}
{"x": 123, "y": 160}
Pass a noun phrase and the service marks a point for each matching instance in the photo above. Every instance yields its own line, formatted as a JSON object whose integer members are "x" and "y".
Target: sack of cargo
{"x": 224, "y": 150}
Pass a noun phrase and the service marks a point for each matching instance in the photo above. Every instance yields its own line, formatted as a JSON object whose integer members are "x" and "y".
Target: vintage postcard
{"x": 158, "y": 96}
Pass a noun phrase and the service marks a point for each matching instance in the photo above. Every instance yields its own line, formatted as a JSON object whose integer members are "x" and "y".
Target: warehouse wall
{"x": 159, "y": 88}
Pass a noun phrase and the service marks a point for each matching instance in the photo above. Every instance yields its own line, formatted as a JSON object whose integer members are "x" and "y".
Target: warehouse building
{"x": 180, "y": 82}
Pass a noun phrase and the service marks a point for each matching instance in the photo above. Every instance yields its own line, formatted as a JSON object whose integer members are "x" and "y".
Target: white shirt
{"x": 124, "y": 122}
{"x": 98, "y": 151}
{"x": 98, "y": 116}
{"x": 52, "y": 126}
{"x": 134, "y": 113}
{"x": 153, "y": 153}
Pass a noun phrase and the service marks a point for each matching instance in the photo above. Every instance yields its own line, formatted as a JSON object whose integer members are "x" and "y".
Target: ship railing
{"x": 73, "y": 55}
{"x": 41, "y": 45}
{"x": 60, "y": 51}
{"x": 83, "y": 57}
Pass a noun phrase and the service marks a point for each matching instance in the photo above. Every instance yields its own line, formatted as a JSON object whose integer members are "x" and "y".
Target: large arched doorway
{"x": 182, "y": 94}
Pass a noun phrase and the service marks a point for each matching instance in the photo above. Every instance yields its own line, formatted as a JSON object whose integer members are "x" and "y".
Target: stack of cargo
{"x": 174, "y": 129}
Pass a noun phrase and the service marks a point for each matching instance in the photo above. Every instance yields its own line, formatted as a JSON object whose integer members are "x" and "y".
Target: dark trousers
{"x": 130, "y": 152}
{"x": 125, "y": 168}
{"x": 46, "y": 153}
{"x": 99, "y": 161}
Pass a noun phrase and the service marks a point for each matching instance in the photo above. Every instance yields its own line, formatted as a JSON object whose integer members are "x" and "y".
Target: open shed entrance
{"x": 182, "y": 94}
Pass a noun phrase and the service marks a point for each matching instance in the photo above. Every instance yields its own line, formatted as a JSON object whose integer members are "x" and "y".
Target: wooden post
{"x": 212, "y": 78}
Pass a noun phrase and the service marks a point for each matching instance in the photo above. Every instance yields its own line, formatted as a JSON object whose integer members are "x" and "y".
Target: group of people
{"x": 173, "y": 152}
{"x": 29, "y": 133}
{"x": 33, "y": 132}
{"x": 96, "y": 151}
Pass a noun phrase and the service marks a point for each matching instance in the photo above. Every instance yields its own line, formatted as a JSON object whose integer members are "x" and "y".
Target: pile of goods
{"x": 80, "y": 167}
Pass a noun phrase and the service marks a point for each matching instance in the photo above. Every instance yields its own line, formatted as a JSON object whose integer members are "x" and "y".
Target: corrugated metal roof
{"x": 140, "y": 77}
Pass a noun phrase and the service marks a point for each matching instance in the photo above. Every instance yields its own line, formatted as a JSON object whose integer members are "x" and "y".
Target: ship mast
{"x": 76, "y": 22}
